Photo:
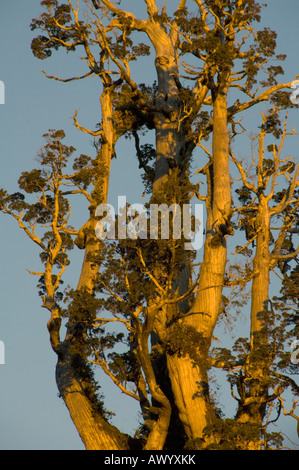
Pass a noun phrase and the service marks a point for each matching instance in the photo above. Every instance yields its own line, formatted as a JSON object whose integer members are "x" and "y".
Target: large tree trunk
{"x": 170, "y": 144}
{"x": 255, "y": 386}
{"x": 76, "y": 391}
{"x": 253, "y": 403}
{"x": 188, "y": 372}
{"x": 87, "y": 239}
{"x": 94, "y": 430}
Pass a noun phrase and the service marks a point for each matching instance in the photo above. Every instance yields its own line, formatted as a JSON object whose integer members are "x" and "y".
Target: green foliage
{"x": 272, "y": 125}
{"x": 125, "y": 367}
{"x": 232, "y": 435}
{"x": 146, "y": 156}
{"x": 49, "y": 22}
{"x": 185, "y": 340}
{"x": 212, "y": 44}
{"x": 130, "y": 108}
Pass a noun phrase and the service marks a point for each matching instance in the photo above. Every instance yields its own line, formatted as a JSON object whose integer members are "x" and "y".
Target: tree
{"x": 163, "y": 304}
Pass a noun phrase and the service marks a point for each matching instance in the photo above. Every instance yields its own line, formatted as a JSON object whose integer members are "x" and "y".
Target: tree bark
{"x": 189, "y": 380}
{"x": 253, "y": 403}
{"x": 87, "y": 239}
{"x": 94, "y": 430}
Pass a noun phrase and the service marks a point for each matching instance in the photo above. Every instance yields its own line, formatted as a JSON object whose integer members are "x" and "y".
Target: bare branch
{"x": 248, "y": 243}
{"x": 103, "y": 321}
{"x": 242, "y": 172}
{"x": 84, "y": 129}
{"x": 35, "y": 273}
{"x": 291, "y": 412}
{"x": 65, "y": 80}
{"x": 287, "y": 256}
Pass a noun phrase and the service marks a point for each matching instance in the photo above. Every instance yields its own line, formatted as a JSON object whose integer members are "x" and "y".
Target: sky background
{"x": 32, "y": 416}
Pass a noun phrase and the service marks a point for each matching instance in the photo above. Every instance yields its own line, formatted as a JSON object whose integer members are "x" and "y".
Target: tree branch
{"x": 151, "y": 7}
{"x": 65, "y": 80}
{"x": 242, "y": 172}
{"x": 84, "y": 129}
{"x": 288, "y": 195}
{"x": 264, "y": 96}
{"x": 139, "y": 25}
{"x": 105, "y": 368}
{"x": 291, "y": 412}
{"x": 287, "y": 256}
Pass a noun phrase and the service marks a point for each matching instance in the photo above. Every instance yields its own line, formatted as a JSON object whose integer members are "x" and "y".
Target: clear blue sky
{"x": 31, "y": 414}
